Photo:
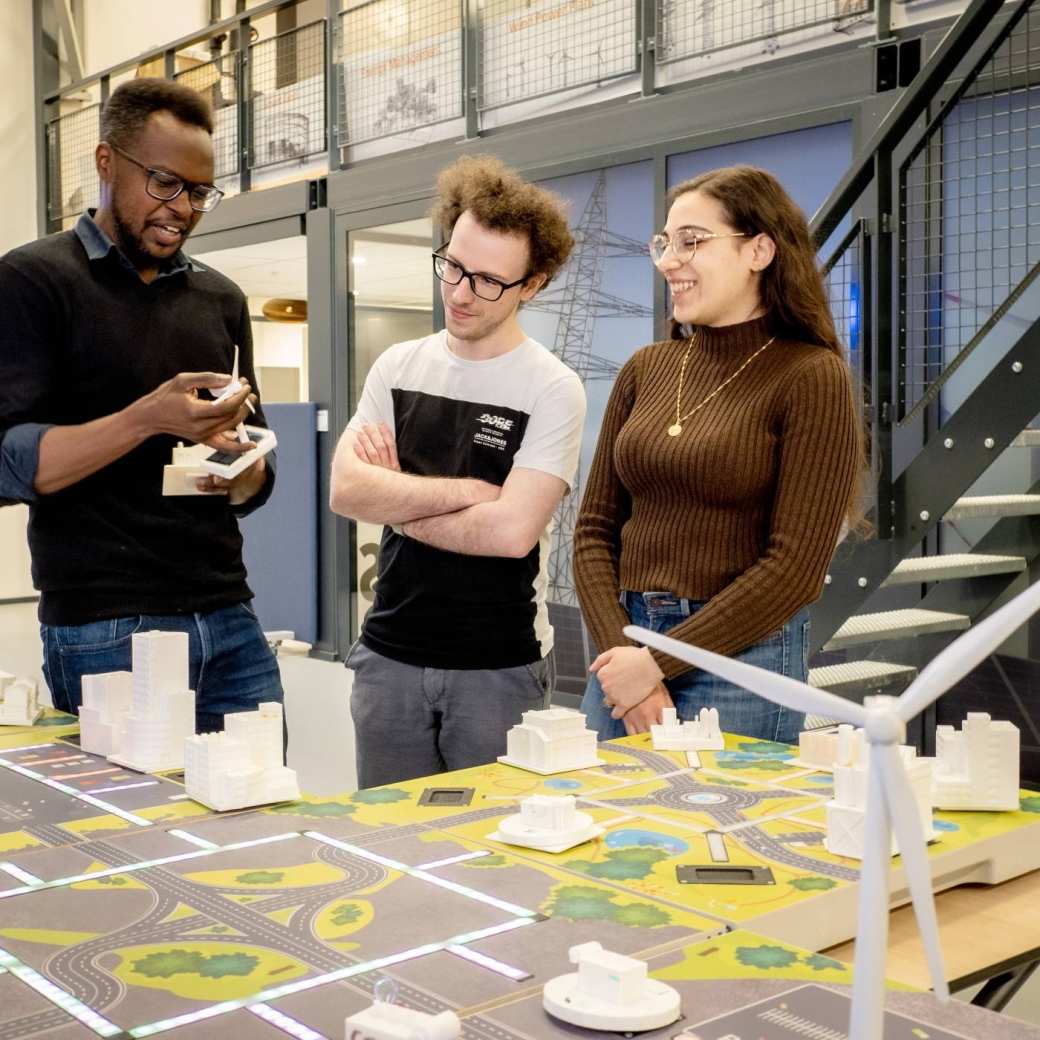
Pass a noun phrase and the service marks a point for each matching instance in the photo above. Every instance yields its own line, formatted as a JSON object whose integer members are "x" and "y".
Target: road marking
{"x": 22, "y": 875}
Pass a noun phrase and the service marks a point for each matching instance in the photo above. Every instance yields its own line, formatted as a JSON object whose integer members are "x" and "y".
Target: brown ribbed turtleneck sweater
{"x": 742, "y": 509}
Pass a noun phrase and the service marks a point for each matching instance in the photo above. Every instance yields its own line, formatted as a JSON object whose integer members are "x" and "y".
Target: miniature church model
{"x": 976, "y": 768}
{"x": 610, "y": 992}
{"x": 700, "y": 734}
{"x": 162, "y": 709}
{"x": 241, "y": 766}
{"x": 19, "y": 701}
{"x": 846, "y": 814}
{"x": 102, "y": 715}
{"x": 548, "y": 822}
{"x": 553, "y": 740}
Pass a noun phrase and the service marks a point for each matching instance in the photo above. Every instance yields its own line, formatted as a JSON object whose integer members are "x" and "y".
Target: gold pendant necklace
{"x": 676, "y": 428}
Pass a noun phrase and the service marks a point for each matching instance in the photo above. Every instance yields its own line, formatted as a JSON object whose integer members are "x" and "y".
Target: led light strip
{"x": 56, "y": 995}
{"x": 453, "y": 859}
{"x": 203, "y": 843}
{"x": 418, "y": 872}
{"x": 334, "y": 976}
{"x": 145, "y": 864}
{"x": 516, "y": 974}
{"x": 22, "y": 875}
{"x": 285, "y": 1023}
{"x": 125, "y": 787}
{"x": 28, "y": 747}
{"x": 138, "y": 821}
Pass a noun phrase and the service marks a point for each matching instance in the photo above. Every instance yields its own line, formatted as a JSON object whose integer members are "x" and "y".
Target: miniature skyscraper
{"x": 107, "y": 698}
{"x": 19, "y": 701}
{"x": 554, "y": 740}
{"x": 610, "y": 991}
{"x": 241, "y": 766}
{"x": 700, "y": 734}
{"x": 978, "y": 767}
{"x": 162, "y": 712}
{"x": 846, "y": 814}
{"x": 830, "y": 747}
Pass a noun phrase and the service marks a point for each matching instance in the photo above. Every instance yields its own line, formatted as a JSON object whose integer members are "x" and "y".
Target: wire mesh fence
{"x": 844, "y": 276}
{"x": 691, "y": 28}
{"x": 531, "y": 48}
{"x": 400, "y": 67}
{"x": 969, "y": 197}
{"x": 286, "y": 77}
{"x": 217, "y": 81}
{"x": 72, "y": 181}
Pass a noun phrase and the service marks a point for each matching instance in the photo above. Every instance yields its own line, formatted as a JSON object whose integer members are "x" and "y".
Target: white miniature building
{"x": 826, "y": 748}
{"x": 846, "y": 814}
{"x": 107, "y": 697}
{"x": 553, "y": 740}
{"x": 241, "y": 766}
{"x": 162, "y": 710}
{"x": 384, "y": 1021}
{"x": 700, "y": 734}
{"x": 978, "y": 767}
{"x": 551, "y": 823}
{"x": 610, "y": 991}
{"x": 19, "y": 701}
{"x": 180, "y": 476}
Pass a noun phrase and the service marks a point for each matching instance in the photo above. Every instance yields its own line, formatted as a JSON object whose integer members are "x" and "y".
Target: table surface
{"x": 153, "y": 915}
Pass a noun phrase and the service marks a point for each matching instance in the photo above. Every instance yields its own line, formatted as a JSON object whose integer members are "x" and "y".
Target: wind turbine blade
{"x": 234, "y": 369}
{"x": 965, "y": 652}
{"x": 902, "y": 810}
{"x": 774, "y": 687}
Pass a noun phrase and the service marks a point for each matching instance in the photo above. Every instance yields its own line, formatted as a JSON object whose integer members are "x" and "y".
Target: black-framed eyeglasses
{"x": 684, "y": 243}
{"x": 165, "y": 186}
{"x": 483, "y": 285}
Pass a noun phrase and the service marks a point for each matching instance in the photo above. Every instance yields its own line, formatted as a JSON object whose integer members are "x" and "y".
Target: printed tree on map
{"x": 185, "y": 962}
{"x": 765, "y": 957}
{"x": 813, "y": 884}
{"x": 818, "y": 962}
{"x": 346, "y": 913}
{"x": 627, "y": 864}
{"x": 380, "y": 796}
{"x": 494, "y": 860}
{"x": 260, "y": 877}
{"x": 580, "y": 903}
{"x": 1031, "y": 804}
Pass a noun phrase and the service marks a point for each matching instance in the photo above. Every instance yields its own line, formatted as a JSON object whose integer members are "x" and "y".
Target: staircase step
{"x": 861, "y": 677}
{"x": 953, "y": 565}
{"x": 993, "y": 505}
{"x": 1027, "y": 439}
{"x": 895, "y": 624}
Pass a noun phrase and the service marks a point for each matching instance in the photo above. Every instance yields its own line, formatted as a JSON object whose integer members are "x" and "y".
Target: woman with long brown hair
{"x": 727, "y": 462}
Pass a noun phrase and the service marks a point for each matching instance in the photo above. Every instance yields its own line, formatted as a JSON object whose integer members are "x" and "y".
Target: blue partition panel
{"x": 281, "y": 538}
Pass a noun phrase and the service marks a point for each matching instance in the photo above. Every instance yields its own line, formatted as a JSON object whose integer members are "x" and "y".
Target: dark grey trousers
{"x": 412, "y": 722}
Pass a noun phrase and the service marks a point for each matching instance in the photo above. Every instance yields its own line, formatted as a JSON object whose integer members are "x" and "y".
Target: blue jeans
{"x": 230, "y": 666}
{"x": 785, "y": 651}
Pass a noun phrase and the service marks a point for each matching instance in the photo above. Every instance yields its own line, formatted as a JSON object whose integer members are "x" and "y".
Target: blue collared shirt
{"x": 20, "y": 446}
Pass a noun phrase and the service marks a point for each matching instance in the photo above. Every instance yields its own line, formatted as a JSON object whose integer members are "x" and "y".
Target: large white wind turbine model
{"x": 890, "y": 803}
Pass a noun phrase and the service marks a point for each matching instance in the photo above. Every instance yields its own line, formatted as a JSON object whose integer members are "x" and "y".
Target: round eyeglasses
{"x": 684, "y": 243}
{"x": 164, "y": 186}
{"x": 483, "y": 285}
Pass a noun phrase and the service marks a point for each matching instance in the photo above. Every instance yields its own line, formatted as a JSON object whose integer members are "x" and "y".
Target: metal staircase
{"x": 944, "y": 328}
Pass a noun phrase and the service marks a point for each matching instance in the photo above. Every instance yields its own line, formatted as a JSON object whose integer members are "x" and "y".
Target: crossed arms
{"x": 455, "y": 514}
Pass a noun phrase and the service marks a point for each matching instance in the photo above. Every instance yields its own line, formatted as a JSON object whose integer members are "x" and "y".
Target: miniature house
{"x": 846, "y": 814}
{"x": 551, "y": 741}
{"x": 180, "y": 476}
{"x": 700, "y": 734}
{"x": 976, "y": 768}
{"x": 19, "y": 701}
{"x": 241, "y": 766}
{"x": 830, "y": 747}
{"x": 162, "y": 708}
{"x": 102, "y": 715}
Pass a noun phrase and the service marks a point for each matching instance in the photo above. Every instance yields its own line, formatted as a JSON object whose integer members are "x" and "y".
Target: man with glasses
{"x": 463, "y": 445}
{"x": 113, "y": 347}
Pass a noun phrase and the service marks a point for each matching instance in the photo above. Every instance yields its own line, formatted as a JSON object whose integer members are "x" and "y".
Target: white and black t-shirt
{"x": 477, "y": 419}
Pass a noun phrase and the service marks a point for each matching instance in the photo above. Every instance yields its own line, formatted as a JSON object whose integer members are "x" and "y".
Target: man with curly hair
{"x": 462, "y": 445}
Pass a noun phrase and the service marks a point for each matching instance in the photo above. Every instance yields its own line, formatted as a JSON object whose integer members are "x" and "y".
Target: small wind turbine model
{"x": 890, "y": 803}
